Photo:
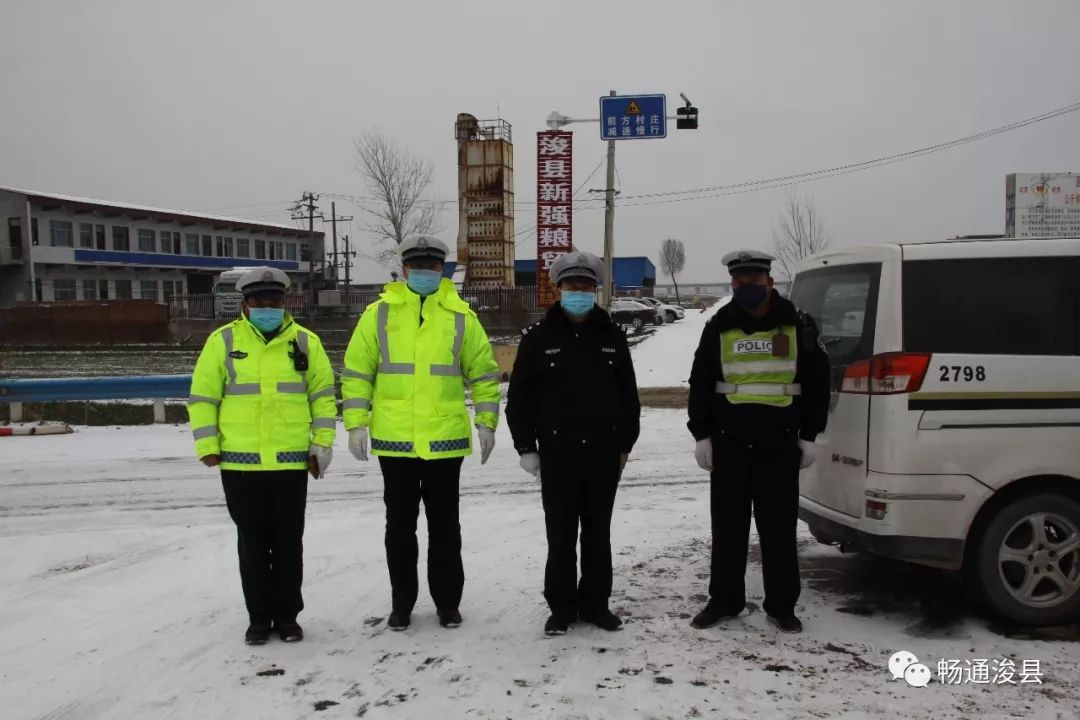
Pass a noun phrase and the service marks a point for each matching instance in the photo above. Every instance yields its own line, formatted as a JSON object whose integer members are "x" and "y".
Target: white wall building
{"x": 58, "y": 247}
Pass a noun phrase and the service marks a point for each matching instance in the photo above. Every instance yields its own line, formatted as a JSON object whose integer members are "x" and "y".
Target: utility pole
{"x": 334, "y": 220}
{"x": 349, "y": 255}
{"x": 609, "y": 225}
{"x": 307, "y": 203}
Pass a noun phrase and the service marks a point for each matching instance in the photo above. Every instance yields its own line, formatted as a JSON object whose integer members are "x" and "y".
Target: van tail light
{"x": 886, "y": 374}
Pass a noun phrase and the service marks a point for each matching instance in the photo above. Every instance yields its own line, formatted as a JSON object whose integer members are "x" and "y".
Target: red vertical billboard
{"x": 554, "y": 206}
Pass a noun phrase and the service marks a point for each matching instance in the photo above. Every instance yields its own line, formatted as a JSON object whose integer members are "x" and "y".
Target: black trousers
{"x": 767, "y": 480}
{"x": 578, "y": 487}
{"x": 406, "y": 481}
{"x": 268, "y": 509}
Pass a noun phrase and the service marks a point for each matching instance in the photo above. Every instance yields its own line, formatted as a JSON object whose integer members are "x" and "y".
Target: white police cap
{"x": 423, "y": 246}
{"x": 748, "y": 261}
{"x": 263, "y": 279}
{"x": 577, "y": 264}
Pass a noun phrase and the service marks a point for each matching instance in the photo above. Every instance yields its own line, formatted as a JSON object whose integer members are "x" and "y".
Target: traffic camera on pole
{"x": 686, "y": 116}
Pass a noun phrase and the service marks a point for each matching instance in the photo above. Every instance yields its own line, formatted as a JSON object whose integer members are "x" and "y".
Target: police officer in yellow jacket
{"x": 759, "y": 395}
{"x": 262, "y": 409}
{"x": 412, "y": 355}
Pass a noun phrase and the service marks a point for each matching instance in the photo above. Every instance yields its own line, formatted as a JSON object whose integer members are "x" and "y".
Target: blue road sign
{"x": 633, "y": 117}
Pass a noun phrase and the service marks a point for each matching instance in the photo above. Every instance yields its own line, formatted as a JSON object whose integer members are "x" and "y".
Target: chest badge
{"x": 238, "y": 354}
{"x": 781, "y": 345}
{"x": 552, "y": 351}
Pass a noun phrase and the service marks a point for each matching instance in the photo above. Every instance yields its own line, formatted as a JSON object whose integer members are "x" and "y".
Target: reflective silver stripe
{"x": 491, "y": 407}
{"x": 347, "y": 373}
{"x": 382, "y": 319}
{"x": 242, "y": 389}
{"x": 737, "y": 367}
{"x": 326, "y": 391}
{"x": 203, "y": 398}
{"x": 292, "y": 387}
{"x": 397, "y": 368}
{"x": 496, "y": 376}
{"x": 724, "y": 388}
{"x": 356, "y": 403}
{"x": 227, "y": 336}
{"x": 324, "y": 423}
{"x": 454, "y": 368}
{"x": 206, "y": 431}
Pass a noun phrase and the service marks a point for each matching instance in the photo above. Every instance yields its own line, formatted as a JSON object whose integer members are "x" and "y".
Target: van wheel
{"x": 1027, "y": 567}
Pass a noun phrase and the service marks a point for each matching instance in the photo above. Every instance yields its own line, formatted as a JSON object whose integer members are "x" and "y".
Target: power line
{"x": 781, "y": 181}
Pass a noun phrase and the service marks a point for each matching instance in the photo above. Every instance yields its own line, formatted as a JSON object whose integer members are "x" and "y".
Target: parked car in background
{"x": 627, "y": 312}
{"x": 671, "y": 313}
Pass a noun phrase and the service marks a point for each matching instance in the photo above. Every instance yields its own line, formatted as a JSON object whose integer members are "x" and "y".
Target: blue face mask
{"x": 266, "y": 319}
{"x": 423, "y": 282}
{"x": 749, "y": 297}
{"x": 577, "y": 302}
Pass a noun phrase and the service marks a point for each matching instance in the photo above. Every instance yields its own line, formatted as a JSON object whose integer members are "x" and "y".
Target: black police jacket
{"x": 711, "y": 415}
{"x": 573, "y": 386}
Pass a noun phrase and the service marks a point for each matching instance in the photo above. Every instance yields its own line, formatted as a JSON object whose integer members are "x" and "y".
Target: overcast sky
{"x": 239, "y": 107}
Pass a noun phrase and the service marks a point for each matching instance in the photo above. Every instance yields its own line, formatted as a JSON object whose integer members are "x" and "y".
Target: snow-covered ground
{"x": 120, "y": 598}
{"x": 665, "y": 358}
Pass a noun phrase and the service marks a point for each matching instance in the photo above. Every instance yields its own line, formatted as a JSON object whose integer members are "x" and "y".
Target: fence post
{"x": 159, "y": 410}
{"x": 16, "y": 411}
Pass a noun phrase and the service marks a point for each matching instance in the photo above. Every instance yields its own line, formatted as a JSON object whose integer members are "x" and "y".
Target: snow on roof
{"x": 148, "y": 209}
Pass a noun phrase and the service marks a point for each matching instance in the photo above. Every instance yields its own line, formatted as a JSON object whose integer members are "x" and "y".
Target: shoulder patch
{"x": 526, "y": 330}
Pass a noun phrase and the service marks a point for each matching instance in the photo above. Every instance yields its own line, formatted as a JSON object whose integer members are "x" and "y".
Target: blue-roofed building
{"x": 632, "y": 274}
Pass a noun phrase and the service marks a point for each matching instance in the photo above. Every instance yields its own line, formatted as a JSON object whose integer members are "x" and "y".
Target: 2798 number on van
{"x": 962, "y": 373}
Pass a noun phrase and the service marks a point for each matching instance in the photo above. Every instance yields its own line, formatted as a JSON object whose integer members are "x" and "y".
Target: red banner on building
{"x": 554, "y": 206}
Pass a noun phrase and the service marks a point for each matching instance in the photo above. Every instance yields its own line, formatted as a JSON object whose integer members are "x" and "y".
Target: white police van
{"x": 954, "y": 426}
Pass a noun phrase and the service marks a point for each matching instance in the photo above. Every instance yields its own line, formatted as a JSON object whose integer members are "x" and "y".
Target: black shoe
{"x": 602, "y": 618}
{"x": 556, "y": 626}
{"x": 713, "y": 614}
{"x": 787, "y": 623}
{"x": 257, "y": 634}
{"x": 289, "y": 631}
{"x": 399, "y": 620}
{"x": 450, "y": 618}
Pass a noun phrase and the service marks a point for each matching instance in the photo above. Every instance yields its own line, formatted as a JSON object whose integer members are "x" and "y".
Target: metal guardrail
{"x": 142, "y": 387}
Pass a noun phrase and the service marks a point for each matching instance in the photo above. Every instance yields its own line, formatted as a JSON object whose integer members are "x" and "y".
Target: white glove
{"x": 487, "y": 442}
{"x": 809, "y": 454}
{"x": 358, "y": 443}
{"x": 530, "y": 463}
{"x": 703, "y": 454}
{"x": 323, "y": 456}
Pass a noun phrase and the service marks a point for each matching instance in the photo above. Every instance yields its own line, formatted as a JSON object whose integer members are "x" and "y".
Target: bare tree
{"x": 672, "y": 261}
{"x": 398, "y": 181}
{"x": 801, "y": 230}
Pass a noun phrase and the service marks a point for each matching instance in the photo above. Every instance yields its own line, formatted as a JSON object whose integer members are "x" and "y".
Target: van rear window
{"x": 991, "y": 306}
{"x": 843, "y": 302}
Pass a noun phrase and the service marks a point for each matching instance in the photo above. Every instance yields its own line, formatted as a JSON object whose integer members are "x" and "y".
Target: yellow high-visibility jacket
{"x": 405, "y": 379}
{"x": 250, "y": 405}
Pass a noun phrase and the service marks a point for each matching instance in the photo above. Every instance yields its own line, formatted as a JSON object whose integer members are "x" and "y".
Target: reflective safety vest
{"x": 406, "y": 379}
{"x": 250, "y": 405}
{"x": 753, "y": 372}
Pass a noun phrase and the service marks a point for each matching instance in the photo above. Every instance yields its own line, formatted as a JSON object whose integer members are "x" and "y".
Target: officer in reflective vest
{"x": 759, "y": 395}
{"x": 413, "y": 353}
{"x": 262, "y": 410}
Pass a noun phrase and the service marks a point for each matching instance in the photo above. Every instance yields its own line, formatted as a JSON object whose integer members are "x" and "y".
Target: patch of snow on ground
{"x": 121, "y": 599}
{"x": 665, "y": 359}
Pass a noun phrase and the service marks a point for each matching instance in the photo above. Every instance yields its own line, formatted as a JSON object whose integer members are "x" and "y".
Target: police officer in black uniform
{"x": 573, "y": 411}
{"x": 759, "y": 395}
